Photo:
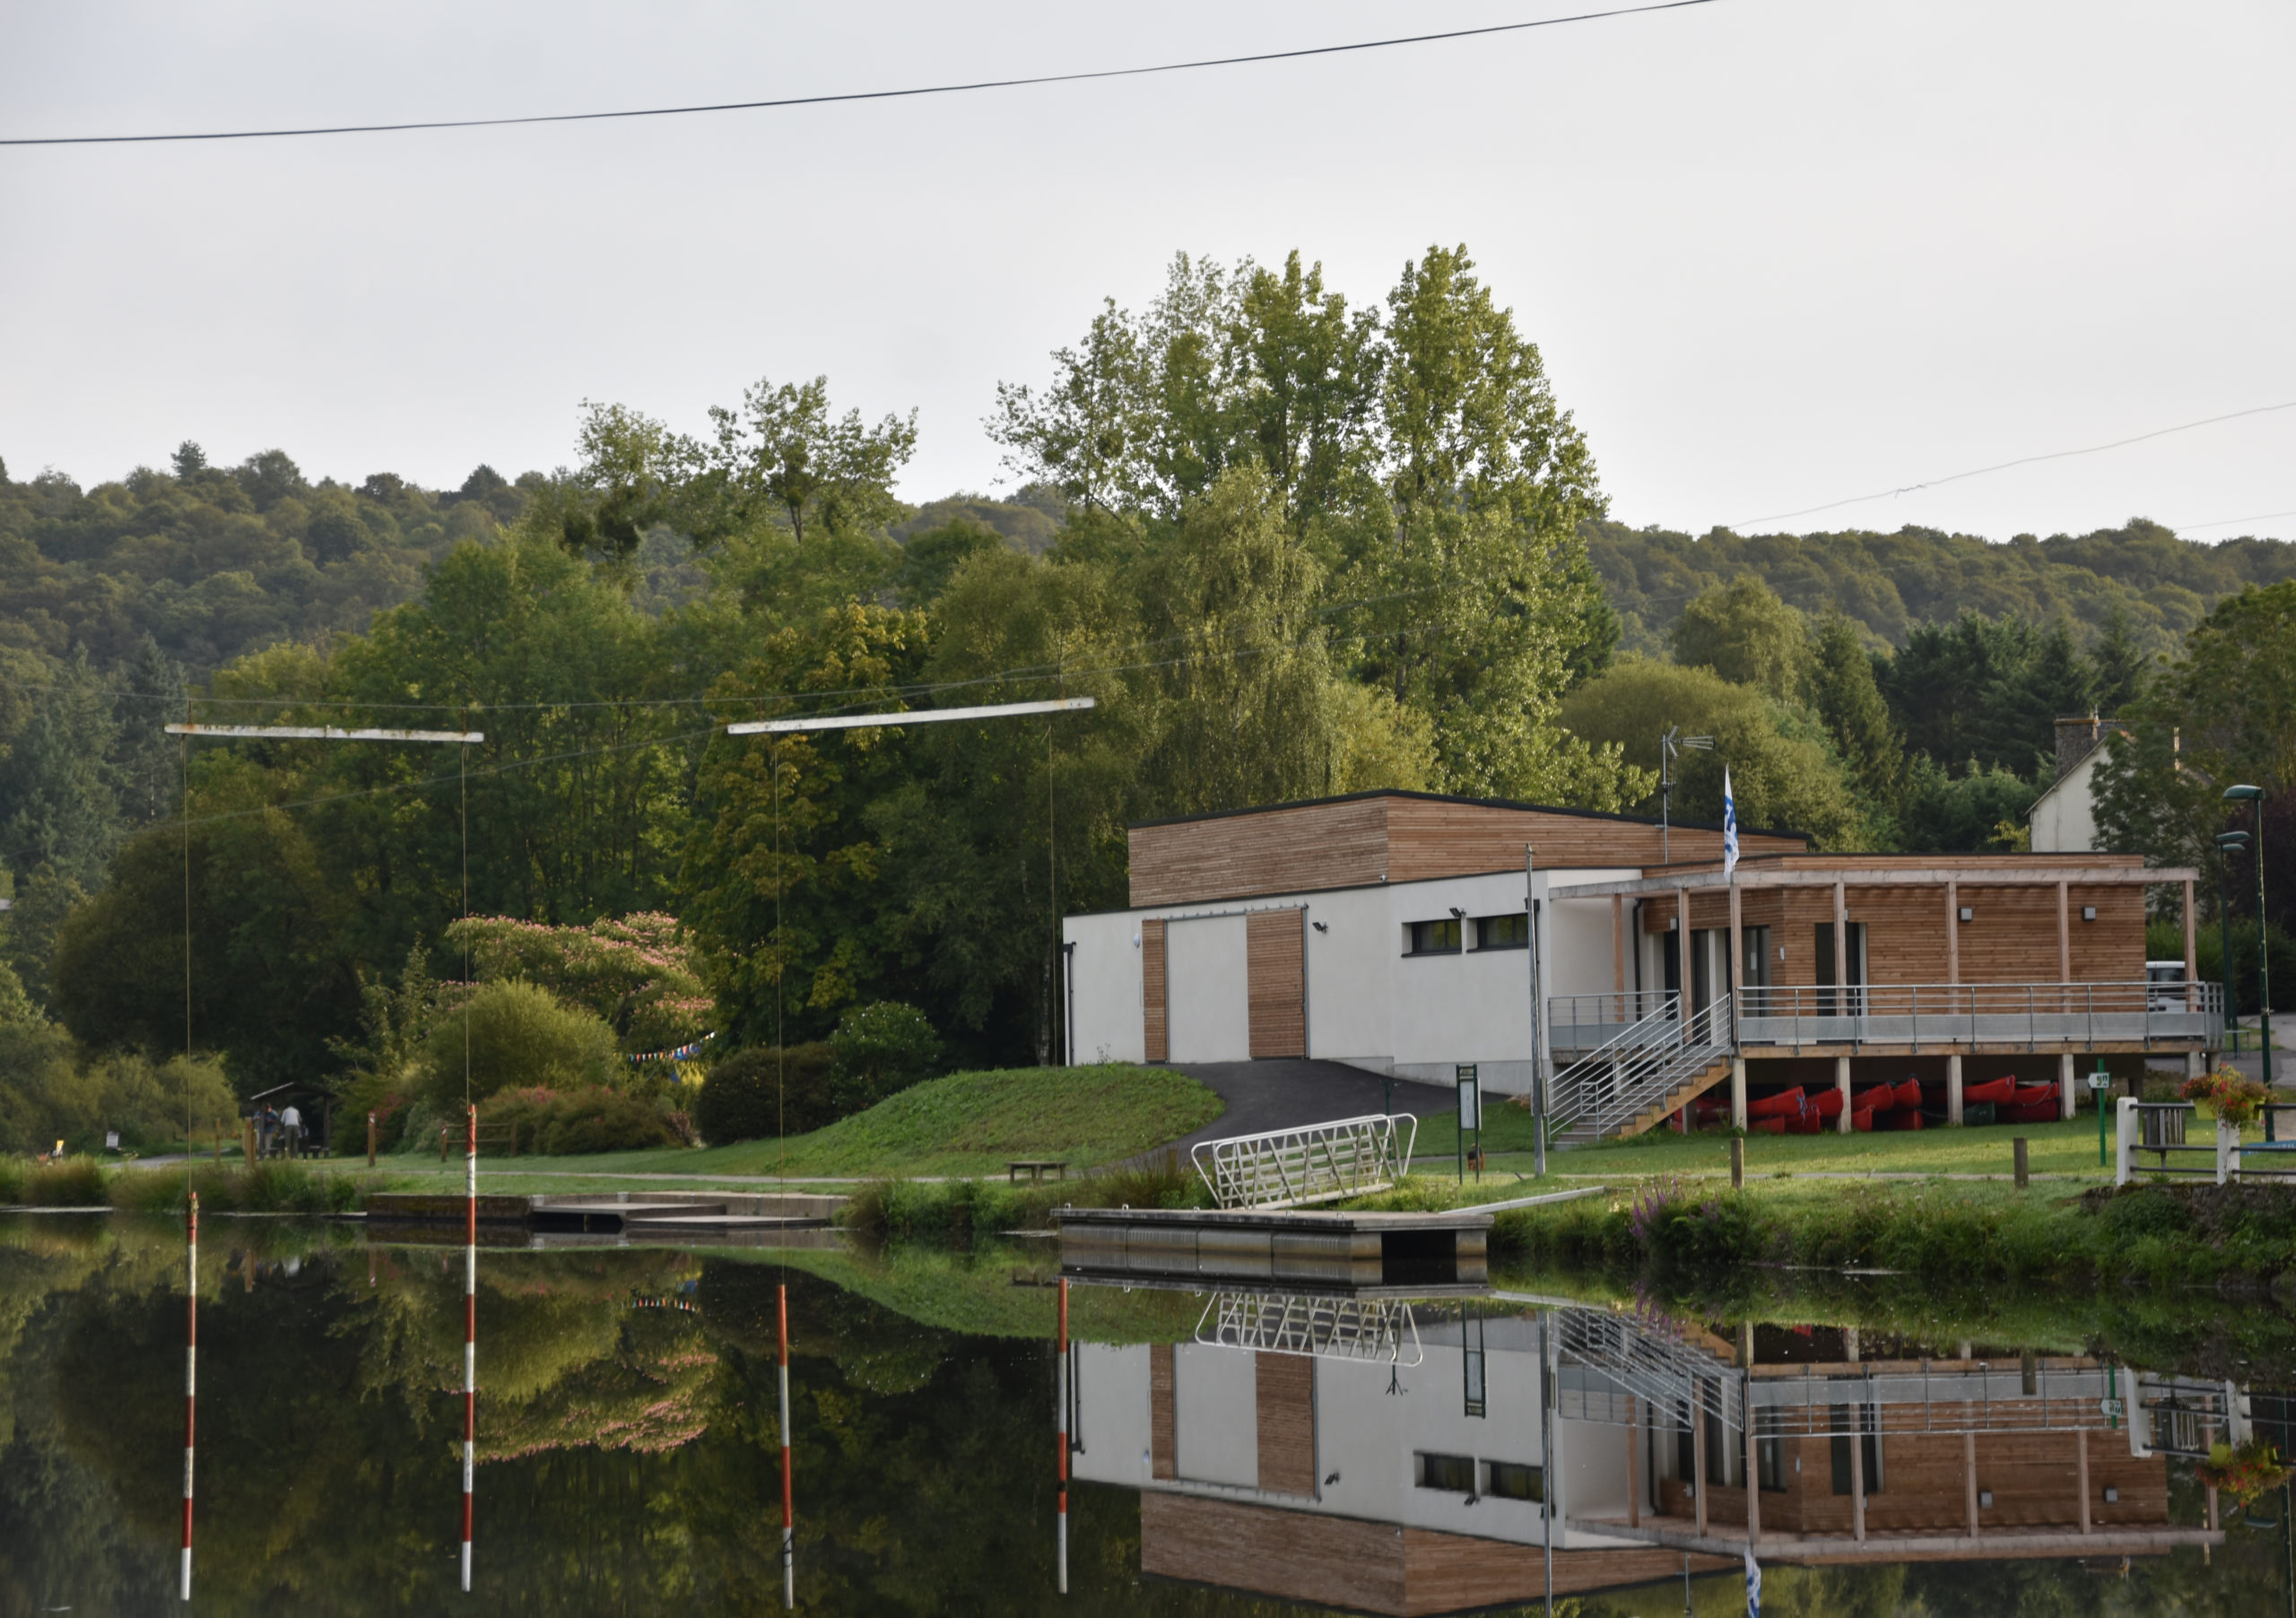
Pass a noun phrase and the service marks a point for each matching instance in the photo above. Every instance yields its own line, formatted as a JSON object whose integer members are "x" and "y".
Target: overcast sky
{"x": 1776, "y": 252}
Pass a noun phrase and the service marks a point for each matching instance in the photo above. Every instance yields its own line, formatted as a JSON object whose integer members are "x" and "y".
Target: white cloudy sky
{"x": 1777, "y": 252}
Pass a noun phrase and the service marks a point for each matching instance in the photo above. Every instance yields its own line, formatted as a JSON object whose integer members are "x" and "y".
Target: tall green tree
{"x": 1848, "y": 700}
{"x": 1744, "y": 633}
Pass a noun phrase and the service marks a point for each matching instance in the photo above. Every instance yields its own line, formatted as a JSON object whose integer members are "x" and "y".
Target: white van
{"x": 2164, "y": 986}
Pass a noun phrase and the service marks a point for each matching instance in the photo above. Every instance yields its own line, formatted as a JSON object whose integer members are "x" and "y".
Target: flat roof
{"x": 1478, "y": 802}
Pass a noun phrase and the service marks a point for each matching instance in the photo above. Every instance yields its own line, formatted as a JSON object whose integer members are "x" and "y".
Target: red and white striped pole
{"x": 190, "y": 1378}
{"x": 788, "y": 1513}
{"x": 470, "y": 1334}
{"x": 1061, "y": 1385}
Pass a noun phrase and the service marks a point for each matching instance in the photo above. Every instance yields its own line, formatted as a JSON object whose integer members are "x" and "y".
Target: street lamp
{"x": 2254, "y": 797}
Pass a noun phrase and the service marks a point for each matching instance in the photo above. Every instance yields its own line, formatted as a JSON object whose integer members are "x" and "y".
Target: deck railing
{"x": 1589, "y": 1022}
{"x": 1321, "y": 1163}
{"x": 1947, "y": 1014}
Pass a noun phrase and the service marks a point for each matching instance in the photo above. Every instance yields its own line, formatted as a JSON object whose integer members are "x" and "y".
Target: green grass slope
{"x": 963, "y": 1124}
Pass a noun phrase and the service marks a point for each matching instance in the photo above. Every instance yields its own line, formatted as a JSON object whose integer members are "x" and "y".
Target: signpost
{"x": 1470, "y": 1118}
{"x": 2098, "y": 1083}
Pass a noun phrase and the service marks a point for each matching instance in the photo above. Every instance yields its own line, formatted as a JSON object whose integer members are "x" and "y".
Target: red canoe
{"x": 1993, "y": 1090}
{"x": 1908, "y": 1094}
{"x": 1785, "y": 1104}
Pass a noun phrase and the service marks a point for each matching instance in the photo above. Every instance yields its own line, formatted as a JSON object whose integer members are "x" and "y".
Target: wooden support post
{"x": 1754, "y": 1459}
{"x": 1618, "y": 955}
{"x": 1842, "y": 1087}
{"x": 1737, "y": 1162}
{"x": 2192, "y": 956}
{"x": 1953, "y": 1088}
{"x": 1633, "y": 1462}
{"x": 2018, "y": 1161}
{"x": 2067, "y": 1103}
{"x": 370, "y": 1139}
{"x": 2063, "y": 942}
{"x": 1969, "y": 1476}
{"x": 1698, "y": 1451}
{"x": 1738, "y": 1115}
{"x": 2080, "y": 1470}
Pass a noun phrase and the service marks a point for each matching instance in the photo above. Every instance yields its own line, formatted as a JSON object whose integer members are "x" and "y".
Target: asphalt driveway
{"x": 1285, "y": 1093}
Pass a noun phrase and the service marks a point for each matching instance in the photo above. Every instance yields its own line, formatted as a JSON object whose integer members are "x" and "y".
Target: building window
{"x": 1503, "y": 932}
{"x": 1452, "y": 1474}
{"x": 1861, "y": 1416}
{"x": 1512, "y": 1480}
{"x": 1769, "y": 1449}
{"x": 1435, "y": 937}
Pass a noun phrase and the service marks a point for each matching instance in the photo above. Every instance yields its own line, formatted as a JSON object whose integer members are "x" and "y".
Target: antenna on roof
{"x": 1669, "y": 746}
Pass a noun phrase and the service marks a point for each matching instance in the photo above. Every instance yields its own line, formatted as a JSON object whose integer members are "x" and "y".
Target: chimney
{"x": 2077, "y": 737}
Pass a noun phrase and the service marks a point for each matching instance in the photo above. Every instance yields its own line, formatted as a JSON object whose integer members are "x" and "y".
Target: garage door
{"x": 1208, "y": 1010}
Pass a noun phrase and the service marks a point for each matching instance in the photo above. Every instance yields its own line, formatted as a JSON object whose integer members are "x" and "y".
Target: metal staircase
{"x": 1644, "y": 1073}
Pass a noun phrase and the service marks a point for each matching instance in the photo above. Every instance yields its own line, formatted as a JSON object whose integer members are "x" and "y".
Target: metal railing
{"x": 1589, "y": 1022}
{"x": 1968, "y": 1014}
{"x": 1615, "y": 1369}
{"x": 1636, "y": 1070}
{"x": 1329, "y": 1328}
{"x": 1319, "y": 1163}
{"x": 2161, "y": 1127}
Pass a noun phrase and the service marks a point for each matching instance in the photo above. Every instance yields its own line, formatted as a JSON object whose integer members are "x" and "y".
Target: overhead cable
{"x": 857, "y": 95}
{"x": 2025, "y": 460}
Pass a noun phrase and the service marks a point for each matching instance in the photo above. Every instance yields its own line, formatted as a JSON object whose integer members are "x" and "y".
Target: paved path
{"x": 1284, "y": 1093}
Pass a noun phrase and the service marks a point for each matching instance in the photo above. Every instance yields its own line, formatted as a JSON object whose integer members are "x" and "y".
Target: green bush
{"x": 881, "y": 1050}
{"x": 275, "y": 1185}
{"x": 592, "y": 1119}
{"x": 521, "y": 1038}
{"x": 755, "y": 1094}
{"x": 76, "y": 1182}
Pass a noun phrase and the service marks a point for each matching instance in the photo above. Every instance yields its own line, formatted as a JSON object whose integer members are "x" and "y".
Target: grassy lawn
{"x": 965, "y": 1124}
{"x": 2053, "y": 1149}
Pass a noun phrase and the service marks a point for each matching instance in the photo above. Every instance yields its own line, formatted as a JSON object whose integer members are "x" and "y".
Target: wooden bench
{"x": 1036, "y": 1167}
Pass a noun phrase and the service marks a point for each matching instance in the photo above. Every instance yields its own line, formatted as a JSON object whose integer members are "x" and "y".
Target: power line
{"x": 2026, "y": 460}
{"x": 2226, "y": 522}
{"x": 858, "y": 95}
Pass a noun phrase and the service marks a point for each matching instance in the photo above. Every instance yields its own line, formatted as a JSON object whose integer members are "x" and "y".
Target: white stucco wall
{"x": 1369, "y": 1003}
{"x": 2064, "y": 819}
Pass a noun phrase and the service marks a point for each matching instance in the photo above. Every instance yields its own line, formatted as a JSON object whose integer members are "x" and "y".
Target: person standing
{"x": 292, "y": 1121}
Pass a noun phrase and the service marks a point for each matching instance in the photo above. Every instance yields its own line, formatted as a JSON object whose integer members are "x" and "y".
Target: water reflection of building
{"x": 1359, "y": 1454}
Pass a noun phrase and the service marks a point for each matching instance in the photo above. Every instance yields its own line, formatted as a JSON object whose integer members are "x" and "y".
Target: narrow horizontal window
{"x": 1503, "y": 932}
{"x": 1513, "y": 1480}
{"x": 1453, "y": 1474}
{"x": 1435, "y": 937}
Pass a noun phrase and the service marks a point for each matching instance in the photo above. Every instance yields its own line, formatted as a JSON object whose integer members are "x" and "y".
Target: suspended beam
{"x": 325, "y": 733}
{"x": 923, "y": 716}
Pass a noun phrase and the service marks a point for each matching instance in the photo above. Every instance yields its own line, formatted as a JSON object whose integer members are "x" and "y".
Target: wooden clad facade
{"x": 1393, "y": 837}
{"x": 1276, "y": 973}
{"x": 1155, "y": 996}
{"x": 1285, "y": 1405}
{"x": 1373, "y": 1567}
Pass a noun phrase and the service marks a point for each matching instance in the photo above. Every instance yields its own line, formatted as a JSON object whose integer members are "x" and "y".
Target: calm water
{"x": 1234, "y": 1454}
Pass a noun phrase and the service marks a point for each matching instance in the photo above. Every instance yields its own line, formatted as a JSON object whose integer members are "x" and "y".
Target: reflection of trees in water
{"x": 635, "y": 1458}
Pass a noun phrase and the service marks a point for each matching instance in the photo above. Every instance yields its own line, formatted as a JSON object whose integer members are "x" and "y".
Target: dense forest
{"x": 1292, "y": 544}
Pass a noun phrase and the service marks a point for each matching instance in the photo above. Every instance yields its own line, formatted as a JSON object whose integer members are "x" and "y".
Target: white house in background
{"x": 1386, "y": 930}
{"x": 2063, "y": 818}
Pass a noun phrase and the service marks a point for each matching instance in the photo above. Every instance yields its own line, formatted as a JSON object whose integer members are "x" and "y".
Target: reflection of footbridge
{"x": 1369, "y": 1329}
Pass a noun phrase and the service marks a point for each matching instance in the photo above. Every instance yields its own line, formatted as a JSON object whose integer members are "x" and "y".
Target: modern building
{"x": 1399, "y": 932}
{"x": 1380, "y": 1457}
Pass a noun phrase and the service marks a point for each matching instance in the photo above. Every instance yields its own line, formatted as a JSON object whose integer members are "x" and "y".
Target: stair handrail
{"x": 1640, "y": 1064}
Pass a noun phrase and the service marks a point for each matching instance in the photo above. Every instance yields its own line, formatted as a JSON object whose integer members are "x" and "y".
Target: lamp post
{"x": 2254, "y": 797}
{"x": 2228, "y": 844}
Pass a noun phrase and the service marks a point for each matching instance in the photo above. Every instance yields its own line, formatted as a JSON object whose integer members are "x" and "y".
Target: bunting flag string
{"x": 682, "y": 1054}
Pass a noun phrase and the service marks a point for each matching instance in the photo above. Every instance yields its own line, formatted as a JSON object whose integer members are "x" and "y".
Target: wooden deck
{"x": 1286, "y": 1246}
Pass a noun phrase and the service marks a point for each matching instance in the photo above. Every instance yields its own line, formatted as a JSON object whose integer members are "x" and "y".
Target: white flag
{"x": 1753, "y": 1585}
{"x": 1729, "y": 829}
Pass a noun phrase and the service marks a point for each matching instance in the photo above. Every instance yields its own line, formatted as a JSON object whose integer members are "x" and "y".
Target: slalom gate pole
{"x": 470, "y": 1332}
{"x": 789, "y": 1518}
{"x": 190, "y": 1377}
{"x": 1061, "y": 1386}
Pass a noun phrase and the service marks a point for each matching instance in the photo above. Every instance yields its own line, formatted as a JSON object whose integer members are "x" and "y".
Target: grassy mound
{"x": 972, "y": 1123}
